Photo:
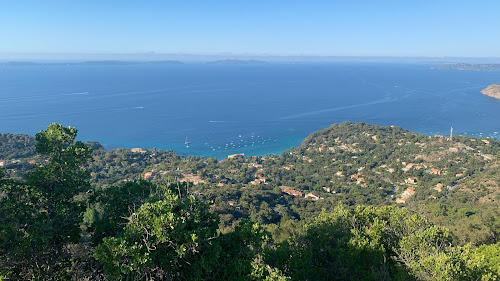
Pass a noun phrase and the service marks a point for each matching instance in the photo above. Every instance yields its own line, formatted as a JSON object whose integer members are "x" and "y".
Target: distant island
{"x": 233, "y": 61}
{"x": 97, "y": 62}
{"x": 492, "y": 90}
{"x": 469, "y": 67}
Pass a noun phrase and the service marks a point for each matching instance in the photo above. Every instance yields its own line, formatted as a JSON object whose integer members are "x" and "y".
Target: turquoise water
{"x": 251, "y": 109}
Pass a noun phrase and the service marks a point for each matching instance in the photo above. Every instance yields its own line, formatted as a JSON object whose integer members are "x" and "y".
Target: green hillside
{"x": 369, "y": 201}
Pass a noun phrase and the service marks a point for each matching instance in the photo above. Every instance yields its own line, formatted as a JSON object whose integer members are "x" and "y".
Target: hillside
{"x": 353, "y": 163}
{"x": 366, "y": 201}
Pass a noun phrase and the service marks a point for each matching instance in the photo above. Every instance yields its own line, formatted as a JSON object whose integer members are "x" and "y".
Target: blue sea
{"x": 251, "y": 109}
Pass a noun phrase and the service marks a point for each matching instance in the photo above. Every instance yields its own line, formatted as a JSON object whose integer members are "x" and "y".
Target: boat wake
{"x": 317, "y": 112}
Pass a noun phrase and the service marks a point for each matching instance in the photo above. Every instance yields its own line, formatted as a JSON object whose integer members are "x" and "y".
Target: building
{"x": 148, "y": 175}
{"x": 138, "y": 150}
{"x": 313, "y": 197}
{"x": 411, "y": 180}
{"x": 293, "y": 192}
{"x": 236, "y": 155}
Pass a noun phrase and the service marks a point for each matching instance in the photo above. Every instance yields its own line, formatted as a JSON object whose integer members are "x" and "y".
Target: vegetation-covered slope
{"x": 308, "y": 203}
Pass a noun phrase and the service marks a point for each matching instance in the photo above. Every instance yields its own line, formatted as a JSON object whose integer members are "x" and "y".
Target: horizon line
{"x": 241, "y": 55}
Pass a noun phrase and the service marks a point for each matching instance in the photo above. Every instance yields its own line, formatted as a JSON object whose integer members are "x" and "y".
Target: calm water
{"x": 251, "y": 109}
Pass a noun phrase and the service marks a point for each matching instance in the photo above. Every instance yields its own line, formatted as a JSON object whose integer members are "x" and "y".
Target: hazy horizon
{"x": 187, "y": 57}
{"x": 361, "y": 28}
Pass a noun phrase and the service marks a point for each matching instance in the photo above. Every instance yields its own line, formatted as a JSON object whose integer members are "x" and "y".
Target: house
{"x": 410, "y": 191}
{"x": 411, "y": 180}
{"x": 292, "y": 192}
{"x": 256, "y": 181}
{"x": 408, "y": 167}
{"x": 439, "y": 187}
{"x": 148, "y": 175}
{"x": 360, "y": 180}
{"x": 313, "y": 197}
{"x": 138, "y": 150}
{"x": 261, "y": 178}
{"x": 238, "y": 155}
{"x": 321, "y": 147}
{"x": 400, "y": 201}
{"x": 355, "y": 176}
{"x": 487, "y": 142}
{"x": 434, "y": 171}
{"x": 3, "y": 162}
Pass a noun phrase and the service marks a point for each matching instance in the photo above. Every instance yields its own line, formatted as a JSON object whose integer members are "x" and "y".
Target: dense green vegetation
{"x": 353, "y": 202}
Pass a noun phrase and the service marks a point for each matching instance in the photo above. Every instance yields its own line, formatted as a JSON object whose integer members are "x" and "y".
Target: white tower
{"x": 451, "y": 134}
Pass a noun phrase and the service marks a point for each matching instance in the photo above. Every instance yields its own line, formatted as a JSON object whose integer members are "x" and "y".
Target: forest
{"x": 353, "y": 202}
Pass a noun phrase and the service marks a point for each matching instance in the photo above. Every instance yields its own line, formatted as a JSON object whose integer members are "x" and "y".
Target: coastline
{"x": 282, "y": 144}
{"x": 492, "y": 90}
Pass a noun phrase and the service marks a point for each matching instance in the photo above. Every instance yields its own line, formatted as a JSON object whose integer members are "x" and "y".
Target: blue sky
{"x": 263, "y": 27}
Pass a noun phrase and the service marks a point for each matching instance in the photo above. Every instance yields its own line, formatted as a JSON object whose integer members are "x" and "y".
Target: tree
{"x": 176, "y": 238}
{"x": 42, "y": 215}
{"x": 370, "y": 243}
{"x": 113, "y": 205}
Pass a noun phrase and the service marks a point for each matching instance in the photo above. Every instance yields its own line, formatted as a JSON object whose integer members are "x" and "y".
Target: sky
{"x": 459, "y": 28}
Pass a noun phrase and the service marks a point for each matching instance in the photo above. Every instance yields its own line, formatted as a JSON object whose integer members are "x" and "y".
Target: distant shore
{"x": 469, "y": 67}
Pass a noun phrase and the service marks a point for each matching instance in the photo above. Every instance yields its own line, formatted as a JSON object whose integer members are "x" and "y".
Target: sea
{"x": 216, "y": 110}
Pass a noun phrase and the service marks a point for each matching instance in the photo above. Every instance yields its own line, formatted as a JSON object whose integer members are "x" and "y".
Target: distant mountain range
{"x": 235, "y": 61}
{"x": 120, "y": 62}
{"x": 100, "y": 62}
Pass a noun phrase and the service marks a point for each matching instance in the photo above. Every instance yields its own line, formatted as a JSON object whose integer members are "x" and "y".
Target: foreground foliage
{"x": 370, "y": 243}
{"x": 41, "y": 216}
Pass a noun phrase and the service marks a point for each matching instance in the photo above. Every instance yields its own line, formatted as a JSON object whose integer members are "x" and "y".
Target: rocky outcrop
{"x": 493, "y": 91}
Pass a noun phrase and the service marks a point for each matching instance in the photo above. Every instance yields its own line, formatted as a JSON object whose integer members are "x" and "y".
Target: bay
{"x": 251, "y": 109}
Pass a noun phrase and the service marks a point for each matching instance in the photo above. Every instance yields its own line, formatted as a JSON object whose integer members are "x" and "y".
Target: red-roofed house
{"x": 293, "y": 192}
{"x": 148, "y": 175}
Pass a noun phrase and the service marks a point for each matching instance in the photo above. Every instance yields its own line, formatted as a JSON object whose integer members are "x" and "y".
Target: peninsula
{"x": 235, "y": 61}
{"x": 492, "y": 90}
{"x": 469, "y": 67}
